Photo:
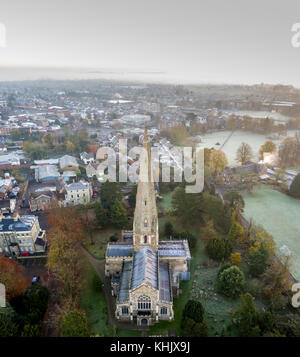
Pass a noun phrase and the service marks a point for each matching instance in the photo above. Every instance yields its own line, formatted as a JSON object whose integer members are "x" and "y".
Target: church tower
{"x": 145, "y": 222}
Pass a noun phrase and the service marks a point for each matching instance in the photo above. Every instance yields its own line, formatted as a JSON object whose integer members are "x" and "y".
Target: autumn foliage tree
{"x": 244, "y": 153}
{"x": 11, "y": 275}
{"x": 64, "y": 259}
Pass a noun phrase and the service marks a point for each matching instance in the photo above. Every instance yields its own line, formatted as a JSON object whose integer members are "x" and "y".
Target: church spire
{"x": 145, "y": 223}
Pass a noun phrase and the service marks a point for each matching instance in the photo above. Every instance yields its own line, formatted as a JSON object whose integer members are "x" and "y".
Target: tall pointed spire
{"x": 145, "y": 223}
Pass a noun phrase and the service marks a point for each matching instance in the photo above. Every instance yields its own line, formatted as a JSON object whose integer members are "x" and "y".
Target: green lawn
{"x": 101, "y": 238}
{"x": 167, "y": 200}
{"x": 94, "y": 303}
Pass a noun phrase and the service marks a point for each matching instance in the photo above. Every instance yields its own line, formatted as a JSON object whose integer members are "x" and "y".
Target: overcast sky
{"x": 234, "y": 41}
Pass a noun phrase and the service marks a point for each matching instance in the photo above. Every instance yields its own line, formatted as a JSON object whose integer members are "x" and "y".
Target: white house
{"x": 77, "y": 193}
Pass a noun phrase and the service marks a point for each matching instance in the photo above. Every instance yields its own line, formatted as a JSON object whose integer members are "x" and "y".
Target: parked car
{"x": 24, "y": 254}
{"x": 35, "y": 279}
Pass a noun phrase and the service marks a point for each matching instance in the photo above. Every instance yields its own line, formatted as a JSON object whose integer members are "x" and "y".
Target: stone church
{"x": 145, "y": 272}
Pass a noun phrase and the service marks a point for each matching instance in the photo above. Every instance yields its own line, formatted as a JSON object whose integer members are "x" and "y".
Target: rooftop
{"x": 164, "y": 282}
{"x": 24, "y": 223}
{"x": 119, "y": 250}
{"x": 125, "y": 282}
{"x": 145, "y": 268}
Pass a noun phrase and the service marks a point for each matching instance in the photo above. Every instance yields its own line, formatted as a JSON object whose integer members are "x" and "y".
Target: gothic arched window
{"x": 144, "y": 302}
{"x": 163, "y": 310}
{"x": 145, "y": 222}
{"x": 145, "y": 239}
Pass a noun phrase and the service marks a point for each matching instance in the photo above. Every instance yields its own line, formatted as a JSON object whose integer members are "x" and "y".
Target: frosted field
{"x": 279, "y": 214}
{"x": 262, "y": 114}
{"x": 230, "y": 148}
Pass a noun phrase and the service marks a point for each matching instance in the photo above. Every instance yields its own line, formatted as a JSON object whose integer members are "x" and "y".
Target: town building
{"x": 19, "y": 234}
{"x": 87, "y": 157}
{"x": 46, "y": 173}
{"x": 68, "y": 163}
{"x": 145, "y": 272}
{"x": 77, "y": 193}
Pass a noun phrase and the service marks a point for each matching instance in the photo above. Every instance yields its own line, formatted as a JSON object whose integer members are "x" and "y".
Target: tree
{"x": 70, "y": 147}
{"x": 220, "y": 214}
{"x": 247, "y": 317}
{"x": 11, "y": 275}
{"x": 132, "y": 197}
{"x": 101, "y": 215}
{"x": 236, "y": 231}
{"x": 31, "y": 331}
{"x": 209, "y": 231}
{"x": 169, "y": 230}
{"x": 118, "y": 215}
{"x": 231, "y": 282}
{"x": 218, "y": 161}
{"x": 190, "y": 328}
{"x": 215, "y": 249}
{"x": 7, "y": 327}
{"x": 74, "y": 324}
{"x": 295, "y": 187}
{"x": 235, "y": 201}
{"x": 66, "y": 220}
{"x": 35, "y": 303}
{"x": 188, "y": 207}
{"x": 110, "y": 191}
{"x": 267, "y": 240}
{"x": 194, "y": 310}
{"x": 65, "y": 262}
{"x": 35, "y": 150}
{"x": 235, "y": 258}
{"x": 89, "y": 222}
{"x": 268, "y": 147}
{"x": 244, "y": 153}
{"x": 289, "y": 152}
{"x": 259, "y": 258}
{"x": 276, "y": 279}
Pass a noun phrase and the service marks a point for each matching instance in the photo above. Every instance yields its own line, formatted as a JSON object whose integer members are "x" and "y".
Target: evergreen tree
{"x": 109, "y": 193}
{"x": 295, "y": 187}
{"x": 258, "y": 261}
{"x": 101, "y": 215}
{"x": 231, "y": 282}
{"x": 118, "y": 215}
{"x": 169, "y": 231}
{"x": 215, "y": 249}
{"x": 194, "y": 310}
{"x": 247, "y": 317}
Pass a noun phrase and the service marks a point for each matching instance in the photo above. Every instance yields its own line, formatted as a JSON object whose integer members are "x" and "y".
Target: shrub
{"x": 231, "y": 282}
{"x": 190, "y": 328}
{"x": 247, "y": 317}
{"x": 74, "y": 324}
{"x": 223, "y": 267}
{"x": 258, "y": 260}
{"x": 194, "y": 310}
{"x": 235, "y": 258}
{"x": 7, "y": 327}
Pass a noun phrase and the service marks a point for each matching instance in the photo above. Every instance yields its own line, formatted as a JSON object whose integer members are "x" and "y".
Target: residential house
{"x": 77, "y": 193}
{"x": 87, "y": 157}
